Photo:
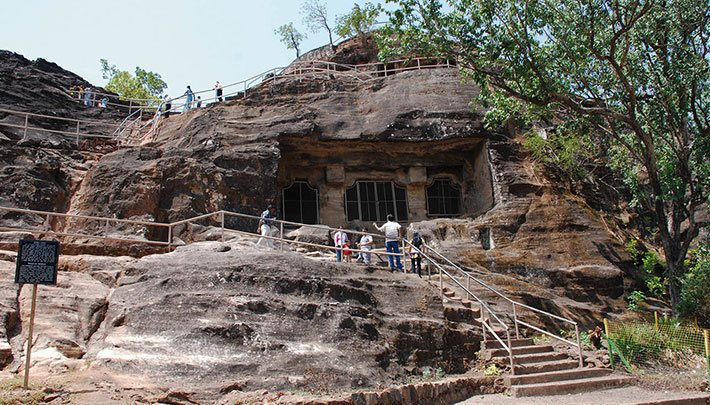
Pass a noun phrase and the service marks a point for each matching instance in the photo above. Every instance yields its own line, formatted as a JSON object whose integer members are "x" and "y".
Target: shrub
{"x": 636, "y": 300}
{"x": 695, "y": 290}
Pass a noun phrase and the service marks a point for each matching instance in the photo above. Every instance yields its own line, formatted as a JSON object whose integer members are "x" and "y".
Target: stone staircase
{"x": 539, "y": 369}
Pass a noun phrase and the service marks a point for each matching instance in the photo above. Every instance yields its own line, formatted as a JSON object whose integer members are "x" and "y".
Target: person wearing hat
{"x": 267, "y": 227}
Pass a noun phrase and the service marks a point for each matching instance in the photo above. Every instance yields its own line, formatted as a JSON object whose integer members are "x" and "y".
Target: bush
{"x": 695, "y": 290}
{"x": 636, "y": 300}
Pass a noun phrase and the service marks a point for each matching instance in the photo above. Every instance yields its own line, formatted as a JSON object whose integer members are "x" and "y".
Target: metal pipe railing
{"x": 516, "y": 304}
{"x": 483, "y": 305}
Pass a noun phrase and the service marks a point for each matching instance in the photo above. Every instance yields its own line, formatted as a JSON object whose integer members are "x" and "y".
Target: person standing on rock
{"x": 218, "y": 91}
{"x": 414, "y": 251}
{"x": 340, "y": 238}
{"x": 366, "y": 243}
{"x": 267, "y": 227}
{"x": 168, "y": 106}
{"x": 189, "y": 98}
{"x": 393, "y": 233}
{"x": 88, "y": 93}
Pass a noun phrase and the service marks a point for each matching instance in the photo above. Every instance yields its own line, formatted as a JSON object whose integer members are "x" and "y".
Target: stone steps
{"x": 545, "y": 366}
{"x": 534, "y": 358}
{"x": 575, "y": 374}
{"x": 569, "y": 386}
{"x": 491, "y": 353}
{"x": 494, "y": 344}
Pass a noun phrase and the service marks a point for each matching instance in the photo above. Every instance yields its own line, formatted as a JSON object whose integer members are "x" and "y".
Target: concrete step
{"x": 494, "y": 344}
{"x": 535, "y": 357}
{"x": 564, "y": 375}
{"x": 518, "y": 350}
{"x": 570, "y": 387}
{"x": 546, "y": 366}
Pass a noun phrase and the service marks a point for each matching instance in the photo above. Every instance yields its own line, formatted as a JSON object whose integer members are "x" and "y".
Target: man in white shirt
{"x": 340, "y": 238}
{"x": 366, "y": 243}
{"x": 393, "y": 233}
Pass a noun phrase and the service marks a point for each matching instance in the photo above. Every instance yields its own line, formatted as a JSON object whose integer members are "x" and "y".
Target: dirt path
{"x": 617, "y": 396}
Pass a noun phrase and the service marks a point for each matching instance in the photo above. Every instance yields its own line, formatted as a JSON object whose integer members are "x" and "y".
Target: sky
{"x": 187, "y": 42}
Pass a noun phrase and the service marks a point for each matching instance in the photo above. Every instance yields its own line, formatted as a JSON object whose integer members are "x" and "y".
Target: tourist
{"x": 168, "y": 106}
{"x": 189, "y": 97}
{"x": 88, "y": 93}
{"x": 347, "y": 252}
{"x": 267, "y": 227}
{"x": 104, "y": 102}
{"x": 340, "y": 238}
{"x": 393, "y": 232}
{"x": 414, "y": 251}
{"x": 365, "y": 243}
{"x": 199, "y": 102}
{"x": 218, "y": 91}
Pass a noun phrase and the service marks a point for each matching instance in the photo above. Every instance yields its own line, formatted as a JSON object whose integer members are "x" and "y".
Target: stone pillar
{"x": 416, "y": 193}
{"x": 332, "y": 203}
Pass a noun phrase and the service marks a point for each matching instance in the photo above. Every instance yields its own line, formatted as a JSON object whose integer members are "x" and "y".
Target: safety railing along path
{"x": 491, "y": 321}
{"x": 517, "y": 306}
{"x": 79, "y": 131}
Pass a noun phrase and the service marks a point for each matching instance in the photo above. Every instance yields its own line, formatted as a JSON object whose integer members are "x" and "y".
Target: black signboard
{"x": 37, "y": 262}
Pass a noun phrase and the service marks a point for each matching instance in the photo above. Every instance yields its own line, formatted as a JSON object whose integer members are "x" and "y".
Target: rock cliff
{"x": 217, "y": 317}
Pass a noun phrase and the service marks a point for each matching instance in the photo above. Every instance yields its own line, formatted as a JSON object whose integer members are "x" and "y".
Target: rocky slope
{"x": 210, "y": 316}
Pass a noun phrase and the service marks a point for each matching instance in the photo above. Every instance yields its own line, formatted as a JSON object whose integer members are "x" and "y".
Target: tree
{"x": 359, "y": 21}
{"x": 315, "y": 16}
{"x": 635, "y": 72}
{"x": 290, "y": 37}
{"x": 144, "y": 85}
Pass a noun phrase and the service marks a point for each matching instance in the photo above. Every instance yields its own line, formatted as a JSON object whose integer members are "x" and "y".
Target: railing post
{"x": 579, "y": 345}
{"x": 77, "y": 133}
{"x": 468, "y": 281}
{"x": 483, "y": 320}
{"x": 27, "y": 123}
{"x": 170, "y": 237}
{"x": 510, "y": 352}
{"x": 515, "y": 321}
{"x": 281, "y": 235}
{"x": 222, "y": 224}
{"x": 106, "y": 228}
{"x": 441, "y": 284}
{"x": 130, "y": 106}
{"x": 419, "y": 66}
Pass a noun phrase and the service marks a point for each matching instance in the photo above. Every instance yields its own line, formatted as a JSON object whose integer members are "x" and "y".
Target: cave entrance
{"x": 356, "y": 182}
{"x": 299, "y": 203}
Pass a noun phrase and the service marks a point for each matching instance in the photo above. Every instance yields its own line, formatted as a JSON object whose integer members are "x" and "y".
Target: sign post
{"x": 36, "y": 264}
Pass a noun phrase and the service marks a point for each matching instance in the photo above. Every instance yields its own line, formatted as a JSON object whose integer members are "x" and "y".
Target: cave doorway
{"x": 374, "y": 200}
{"x": 299, "y": 203}
{"x": 443, "y": 198}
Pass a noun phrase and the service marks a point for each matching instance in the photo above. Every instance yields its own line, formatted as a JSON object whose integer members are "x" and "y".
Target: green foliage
{"x": 695, "y": 292}
{"x": 429, "y": 373}
{"x": 563, "y": 149}
{"x": 636, "y": 300}
{"x": 358, "y": 21}
{"x": 289, "y": 36}
{"x": 144, "y": 85}
{"x": 492, "y": 370}
{"x": 633, "y": 74}
{"x": 632, "y": 248}
{"x": 315, "y": 17}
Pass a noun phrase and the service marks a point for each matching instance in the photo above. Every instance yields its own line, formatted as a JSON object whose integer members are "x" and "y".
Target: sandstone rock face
{"x": 207, "y": 314}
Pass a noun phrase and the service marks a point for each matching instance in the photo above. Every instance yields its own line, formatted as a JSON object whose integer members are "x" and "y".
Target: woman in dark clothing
{"x": 416, "y": 257}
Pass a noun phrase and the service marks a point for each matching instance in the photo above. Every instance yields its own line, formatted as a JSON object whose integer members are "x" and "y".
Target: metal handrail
{"x": 221, "y": 213}
{"x": 519, "y": 304}
{"x": 483, "y": 305}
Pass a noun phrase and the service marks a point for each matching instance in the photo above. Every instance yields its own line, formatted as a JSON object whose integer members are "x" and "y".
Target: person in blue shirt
{"x": 267, "y": 226}
{"x": 189, "y": 98}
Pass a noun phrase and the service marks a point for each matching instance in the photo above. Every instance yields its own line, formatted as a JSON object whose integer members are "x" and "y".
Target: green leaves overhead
{"x": 635, "y": 73}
